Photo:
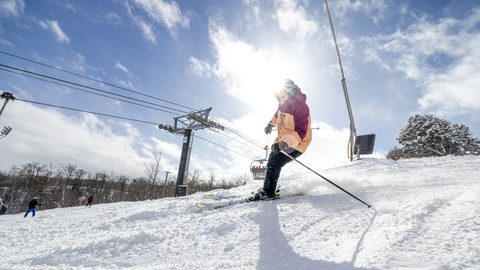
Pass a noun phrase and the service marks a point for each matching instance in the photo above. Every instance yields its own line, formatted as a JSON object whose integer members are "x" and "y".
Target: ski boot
{"x": 262, "y": 196}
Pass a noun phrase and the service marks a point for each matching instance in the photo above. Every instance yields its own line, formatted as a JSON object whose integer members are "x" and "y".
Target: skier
{"x": 31, "y": 207}
{"x": 3, "y": 208}
{"x": 89, "y": 201}
{"x": 294, "y": 134}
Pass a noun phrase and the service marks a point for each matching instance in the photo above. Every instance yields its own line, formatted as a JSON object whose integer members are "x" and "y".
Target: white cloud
{"x": 328, "y": 147}
{"x": 124, "y": 84}
{"x": 47, "y": 136}
{"x": 457, "y": 91}
{"x": 11, "y": 8}
{"x": 199, "y": 68}
{"x": 250, "y": 2}
{"x": 79, "y": 63}
{"x": 55, "y": 28}
{"x": 243, "y": 69}
{"x": 170, "y": 154}
{"x": 168, "y": 14}
{"x": 113, "y": 18}
{"x": 148, "y": 31}
{"x": 21, "y": 93}
{"x": 124, "y": 69}
{"x": 61, "y": 37}
{"x": 375, "y": 9}
{"x": 254, "y": 15}
{"x": 6, "y": 42}
{"x": 295, "y": 21}
{"x": 442, "y": 57}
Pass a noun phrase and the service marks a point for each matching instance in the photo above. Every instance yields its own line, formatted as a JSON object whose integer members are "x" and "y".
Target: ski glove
{"x": 268, "y": 129}
{"x": 283, "y": 146}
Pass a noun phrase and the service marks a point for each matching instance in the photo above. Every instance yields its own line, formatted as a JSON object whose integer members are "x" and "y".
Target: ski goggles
{"x": 279, "y": 94}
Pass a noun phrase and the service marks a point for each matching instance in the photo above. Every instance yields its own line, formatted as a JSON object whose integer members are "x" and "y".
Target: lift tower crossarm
{"x": 7, "y": 96}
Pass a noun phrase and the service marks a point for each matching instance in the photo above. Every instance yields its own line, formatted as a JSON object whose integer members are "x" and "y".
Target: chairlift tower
{"x": 185, "y": 125}
{"x": 7, "y": 96}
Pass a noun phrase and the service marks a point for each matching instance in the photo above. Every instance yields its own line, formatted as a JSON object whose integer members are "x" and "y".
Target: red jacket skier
{"x": 89, "y": 201}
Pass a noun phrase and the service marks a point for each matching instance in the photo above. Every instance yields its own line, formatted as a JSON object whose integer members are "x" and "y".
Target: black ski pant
{"x": 274, "y": 166}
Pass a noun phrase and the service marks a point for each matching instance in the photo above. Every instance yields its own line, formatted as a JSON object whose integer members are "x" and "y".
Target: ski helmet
{"x": 35, "y": 198}
{"x": 288, "y": 89}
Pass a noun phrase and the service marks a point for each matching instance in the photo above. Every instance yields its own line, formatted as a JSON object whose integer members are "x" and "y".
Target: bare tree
{"x": 14, "y": 176}
{"x": 152, "y": 170}
{"x": 68, "y": 170}
{"x": 212, "y": 175}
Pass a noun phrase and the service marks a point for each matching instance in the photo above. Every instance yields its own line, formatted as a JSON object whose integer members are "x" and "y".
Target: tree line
{"x": 67, "y": 185}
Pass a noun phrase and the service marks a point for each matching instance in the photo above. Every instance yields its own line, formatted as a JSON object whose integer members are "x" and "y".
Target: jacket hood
{"x": 299, "y": 97}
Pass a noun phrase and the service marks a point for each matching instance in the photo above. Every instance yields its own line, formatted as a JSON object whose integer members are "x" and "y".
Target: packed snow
{"x": 426, "y": 216}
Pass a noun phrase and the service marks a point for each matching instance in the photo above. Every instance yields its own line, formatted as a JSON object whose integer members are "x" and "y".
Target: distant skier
{"x": 31, "y": 207}
{"x": 89, "y": 201}
{"x": 294, "y": 134}
{"x": 3, "y": 208}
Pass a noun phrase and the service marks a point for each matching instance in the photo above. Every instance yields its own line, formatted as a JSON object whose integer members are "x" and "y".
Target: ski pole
{"x": 369, "y": 205}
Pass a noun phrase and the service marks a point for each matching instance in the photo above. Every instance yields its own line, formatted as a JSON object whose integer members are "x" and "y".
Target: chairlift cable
{"x": 78, "y": 110}
{"x": 241, "y": 135}
{"x": 239, "y": 141}
{"x": 76, "y": 84}
{"x": 89, "y": 91}
{"x": 196, "y": 136}
{"x": 99, "y": 81}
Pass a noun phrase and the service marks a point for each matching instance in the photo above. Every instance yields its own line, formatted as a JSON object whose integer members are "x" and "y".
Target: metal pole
{"x": 165, "y": 186}
{"x": 334, "y": 39}
{"x": 180, "y": 188}
{"x": 353, "y": 131}
{"x": 189, "y": 151}
{"x": 4, "y": 104}
{"x": 7, "y": 96}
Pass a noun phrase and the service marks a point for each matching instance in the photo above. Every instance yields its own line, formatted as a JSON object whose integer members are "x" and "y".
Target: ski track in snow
{"x": 427, "y": 217}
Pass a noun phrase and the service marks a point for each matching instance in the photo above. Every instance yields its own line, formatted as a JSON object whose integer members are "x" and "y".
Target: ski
{"x": 211, "y": 206}
{"x": 217, "y": 205}
{"x": 225, "y": 197}
{"x": 220, "y": 197}
{"x": 221, "y": 204}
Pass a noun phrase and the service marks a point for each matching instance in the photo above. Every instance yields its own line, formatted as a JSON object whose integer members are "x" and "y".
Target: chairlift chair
{"x": 257, "y": 167}
{"x": 258, "y": 170}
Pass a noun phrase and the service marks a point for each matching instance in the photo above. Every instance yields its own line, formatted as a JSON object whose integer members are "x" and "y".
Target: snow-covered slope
{"x": 427, "y": 217}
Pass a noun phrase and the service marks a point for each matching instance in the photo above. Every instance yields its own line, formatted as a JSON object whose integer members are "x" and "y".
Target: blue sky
{"x": 400, "y": 58}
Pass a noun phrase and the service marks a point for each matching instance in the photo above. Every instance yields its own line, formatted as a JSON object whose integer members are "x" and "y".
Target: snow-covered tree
{"x": 398, "y": 153}
{"x": 430, "y": 136}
